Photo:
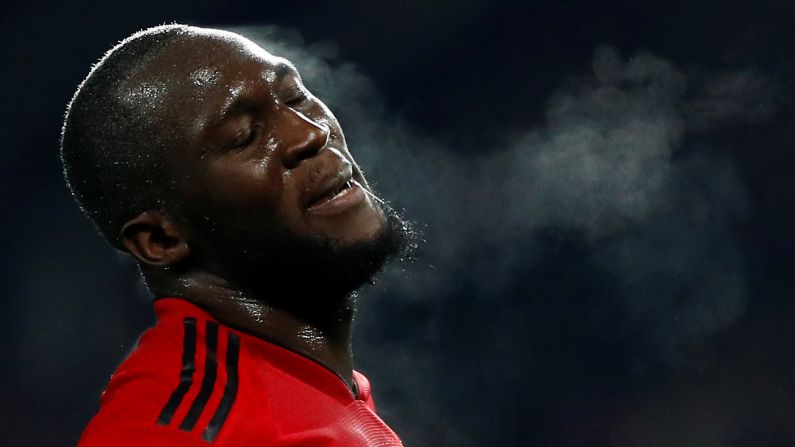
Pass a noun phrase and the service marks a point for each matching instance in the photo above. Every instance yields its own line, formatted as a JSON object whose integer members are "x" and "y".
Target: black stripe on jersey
{"x": 230, "y": 390}
{"x": 185, "y": 374}
{"x": 208, "y": 381}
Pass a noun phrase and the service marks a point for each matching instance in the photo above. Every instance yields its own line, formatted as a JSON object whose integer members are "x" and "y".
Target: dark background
{"x": 597, "y": 323}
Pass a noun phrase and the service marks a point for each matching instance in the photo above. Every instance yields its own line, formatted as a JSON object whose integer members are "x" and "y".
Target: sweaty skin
{"x": 254, "y": 151}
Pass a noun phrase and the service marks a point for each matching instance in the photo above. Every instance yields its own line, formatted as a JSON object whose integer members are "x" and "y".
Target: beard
{"x": 310, "y": 277}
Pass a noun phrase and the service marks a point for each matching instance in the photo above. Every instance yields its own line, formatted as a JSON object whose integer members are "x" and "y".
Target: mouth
{"x": 336, "y": 195}
{"x": 331, "y": 193}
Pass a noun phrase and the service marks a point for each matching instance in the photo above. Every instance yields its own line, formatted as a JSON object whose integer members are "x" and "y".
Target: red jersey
{"x": 193, "y": 381}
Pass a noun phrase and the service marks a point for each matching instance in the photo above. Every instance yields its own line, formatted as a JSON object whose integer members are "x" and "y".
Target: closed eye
{"x": 297, "y": 96}
{"x": 246, "y": 138}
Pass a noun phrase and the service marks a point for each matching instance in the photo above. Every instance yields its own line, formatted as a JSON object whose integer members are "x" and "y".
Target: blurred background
{"x": 604, "y": 188}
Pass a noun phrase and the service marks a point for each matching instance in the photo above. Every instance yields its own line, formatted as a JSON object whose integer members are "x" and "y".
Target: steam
{"x": 618, "y": 161}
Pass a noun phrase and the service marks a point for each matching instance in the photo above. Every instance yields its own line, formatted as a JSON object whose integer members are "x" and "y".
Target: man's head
{"x": 197, "y": 149}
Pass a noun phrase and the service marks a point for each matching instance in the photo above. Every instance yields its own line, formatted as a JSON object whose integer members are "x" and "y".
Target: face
{"x": 256, "y": 154}
{"x": 264, "y": 189}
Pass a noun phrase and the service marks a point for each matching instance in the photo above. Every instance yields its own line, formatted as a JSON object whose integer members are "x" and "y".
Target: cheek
{"x": 244, "y": 188}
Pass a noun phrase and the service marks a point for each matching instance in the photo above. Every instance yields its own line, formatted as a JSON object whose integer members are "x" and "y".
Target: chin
{"x": 362, "y": 227}
{"x": 323, "y": 265}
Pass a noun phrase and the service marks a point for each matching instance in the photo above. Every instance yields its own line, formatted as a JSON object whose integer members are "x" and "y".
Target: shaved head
{"x": 111, "y": 147}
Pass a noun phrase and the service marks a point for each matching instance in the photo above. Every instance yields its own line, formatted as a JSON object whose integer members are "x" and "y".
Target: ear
{"x": 153, "y": 239}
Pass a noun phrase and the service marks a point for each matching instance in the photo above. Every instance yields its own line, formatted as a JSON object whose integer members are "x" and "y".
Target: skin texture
{"x": 250, "y": 150}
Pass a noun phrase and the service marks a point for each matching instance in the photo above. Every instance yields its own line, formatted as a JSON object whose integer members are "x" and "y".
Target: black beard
{"x": 309, "y": 277}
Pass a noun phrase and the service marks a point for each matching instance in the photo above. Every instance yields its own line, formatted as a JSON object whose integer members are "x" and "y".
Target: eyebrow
{"x": 236, "y": 100}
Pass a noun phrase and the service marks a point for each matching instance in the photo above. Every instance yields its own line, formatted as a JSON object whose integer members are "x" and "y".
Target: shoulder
{"x": 175, "y": 389}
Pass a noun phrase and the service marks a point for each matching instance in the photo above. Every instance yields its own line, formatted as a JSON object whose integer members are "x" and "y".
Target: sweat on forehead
{"x": 207, "y": 47}
{"x": 197, "y": 59}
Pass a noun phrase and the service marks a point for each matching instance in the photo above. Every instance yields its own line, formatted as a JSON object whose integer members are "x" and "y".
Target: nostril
{"x": 303, "y": 155}
{"x": 307, "y": 149}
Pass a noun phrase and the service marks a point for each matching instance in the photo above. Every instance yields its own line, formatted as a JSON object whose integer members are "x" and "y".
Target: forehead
{"x": 213, "y": 54}
{"x": 202, "y": 64}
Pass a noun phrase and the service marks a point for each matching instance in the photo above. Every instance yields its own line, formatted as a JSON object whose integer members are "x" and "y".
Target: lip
{"x": 335, "y": 192}
{"x": 332, "y": 181}
{"x": 348, "y": 198}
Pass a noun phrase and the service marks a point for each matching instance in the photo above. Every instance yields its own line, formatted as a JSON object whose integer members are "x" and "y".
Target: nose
{"x": 301, "y": 137}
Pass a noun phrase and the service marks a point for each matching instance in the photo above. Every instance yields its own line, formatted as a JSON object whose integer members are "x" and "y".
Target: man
{"x": 205, "y": 158}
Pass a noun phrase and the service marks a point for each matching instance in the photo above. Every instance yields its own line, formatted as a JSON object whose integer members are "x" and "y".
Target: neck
{"x": 324, "y": 337}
